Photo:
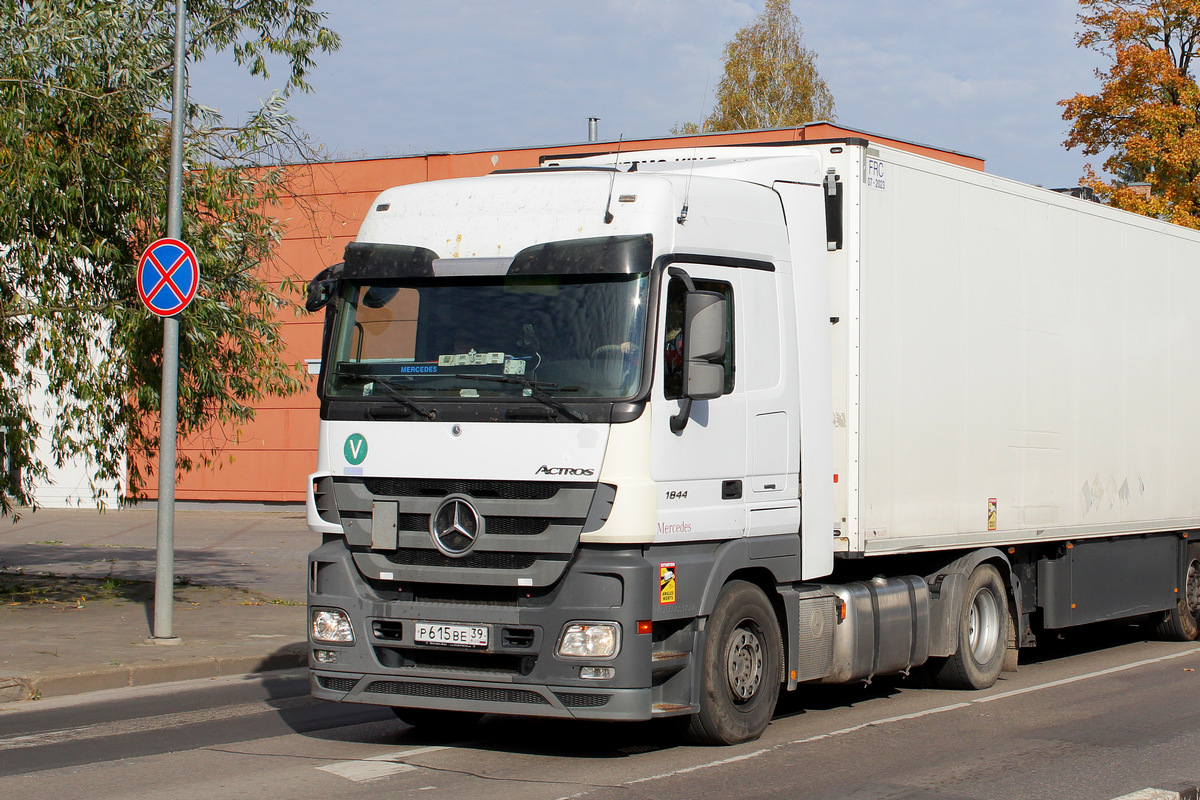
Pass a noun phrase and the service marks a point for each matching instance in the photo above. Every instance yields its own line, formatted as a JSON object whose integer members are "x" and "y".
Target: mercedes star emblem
{"x": 455, "y": 526}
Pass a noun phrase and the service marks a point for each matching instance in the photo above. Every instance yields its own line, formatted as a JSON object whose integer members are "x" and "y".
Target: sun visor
{"x": 366, "y": 260}
{"x": 612, "y": 255}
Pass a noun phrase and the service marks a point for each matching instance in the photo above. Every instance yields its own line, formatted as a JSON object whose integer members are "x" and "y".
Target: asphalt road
{"x": 1094, "y": 717}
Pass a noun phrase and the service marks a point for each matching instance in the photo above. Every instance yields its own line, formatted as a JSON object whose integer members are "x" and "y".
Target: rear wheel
{"x": 982, "y": 634}
{"x": 1182, "y": 623}
{"x": 741, "y": 668}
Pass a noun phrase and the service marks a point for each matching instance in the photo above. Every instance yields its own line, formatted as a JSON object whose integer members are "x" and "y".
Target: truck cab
{"x": 552, "y": 403}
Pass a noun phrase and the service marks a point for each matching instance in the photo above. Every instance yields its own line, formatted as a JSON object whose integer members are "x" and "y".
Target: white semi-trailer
{"x": 660, "y": 433}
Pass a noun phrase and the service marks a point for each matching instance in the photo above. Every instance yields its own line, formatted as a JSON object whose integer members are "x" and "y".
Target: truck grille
{"x": 336, "y": 684}
{"x": 432, "y": 558}
{"x": 494, "y": 664}
{"x": 427, "y": 487}
{"x": 530, "y": 529}
{"x": 451, "y": 692}
{"x": 496, "y": 526}
{"x": 581, "y": 700}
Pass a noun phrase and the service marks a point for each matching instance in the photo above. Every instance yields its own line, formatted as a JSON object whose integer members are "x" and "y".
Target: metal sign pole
{"x": 164, "y": 570}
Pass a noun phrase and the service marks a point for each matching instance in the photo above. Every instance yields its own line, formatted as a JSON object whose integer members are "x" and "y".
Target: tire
{"x": 438, "y": 722}
{"x": 982, "y": 634}
{"x": 741, "y": 669}
{"x": 1182, "y": 623}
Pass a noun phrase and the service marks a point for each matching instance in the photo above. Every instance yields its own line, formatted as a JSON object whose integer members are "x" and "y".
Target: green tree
{"x": 85, "y": 94}
{"x": 1146, "y": 116}
{"x": 770, "y": 80}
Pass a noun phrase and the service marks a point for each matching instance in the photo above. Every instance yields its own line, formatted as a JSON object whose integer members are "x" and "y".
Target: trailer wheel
{"x": 982, "y": 634}
{"x": 740, "y": 672}
{"x": 1180, "y": 624}
{"x": 438, "y": 722}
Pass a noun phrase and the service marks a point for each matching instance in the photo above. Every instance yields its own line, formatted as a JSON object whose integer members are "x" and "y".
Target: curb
{"x": 61, "y": 683}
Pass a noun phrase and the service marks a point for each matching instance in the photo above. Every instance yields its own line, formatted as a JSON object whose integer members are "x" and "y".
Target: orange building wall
{"x": 269, "y": 459}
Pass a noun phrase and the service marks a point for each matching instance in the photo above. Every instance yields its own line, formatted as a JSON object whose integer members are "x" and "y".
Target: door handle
{"x": 731, "y": 490}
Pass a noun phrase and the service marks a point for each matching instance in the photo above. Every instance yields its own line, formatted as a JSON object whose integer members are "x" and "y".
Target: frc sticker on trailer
{"x": 666, "y": 583}
{"x": 873, "y": 174}
{"x": 991, "y": 513}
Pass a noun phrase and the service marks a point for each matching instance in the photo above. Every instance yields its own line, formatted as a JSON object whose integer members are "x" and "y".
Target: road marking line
{"x": 145, "y": 724}
{"x": 720, "y": 763}
{"x": 884, "y": 721}
{"x": 365, "y": 770}
{"x": 919, "y": 714}
{"x": 375, "y": 767}
{"x": 1065, "y": 681}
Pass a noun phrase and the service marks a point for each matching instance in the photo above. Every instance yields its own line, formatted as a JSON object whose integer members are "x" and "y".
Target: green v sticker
{"x": 356, "y": 448}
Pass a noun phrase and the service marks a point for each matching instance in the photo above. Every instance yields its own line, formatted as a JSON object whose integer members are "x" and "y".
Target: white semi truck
{"x": 659, "y": 434}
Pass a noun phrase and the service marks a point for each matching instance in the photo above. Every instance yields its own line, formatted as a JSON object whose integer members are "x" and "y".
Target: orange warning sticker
{"x": 666, "y": 583}
{"x": 991, "y": 513}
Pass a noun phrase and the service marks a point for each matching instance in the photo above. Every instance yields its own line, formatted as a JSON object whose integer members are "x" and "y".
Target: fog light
{"x": 597, "y": 673}
{"x": 331, "y": 625}
{"x": 590, "y": 640}
{"x": 325, "y": 656}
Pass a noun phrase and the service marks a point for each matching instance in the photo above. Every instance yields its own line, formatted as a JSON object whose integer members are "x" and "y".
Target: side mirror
{"x": 704, "y": 334}
{"x": 321, "y": 289}
{"x": 704, "y": 345}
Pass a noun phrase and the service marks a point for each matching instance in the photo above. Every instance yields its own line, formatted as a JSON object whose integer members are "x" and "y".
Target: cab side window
{"x": 673, "y": 337}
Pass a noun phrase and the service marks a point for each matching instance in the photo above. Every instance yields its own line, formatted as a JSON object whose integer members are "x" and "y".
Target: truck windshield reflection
{"x": 543, "y": 336}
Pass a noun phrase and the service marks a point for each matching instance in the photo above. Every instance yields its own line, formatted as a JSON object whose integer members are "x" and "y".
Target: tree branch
{"x": 60, "y": 88}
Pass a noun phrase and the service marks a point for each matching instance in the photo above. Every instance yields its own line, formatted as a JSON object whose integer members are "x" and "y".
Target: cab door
{"x": 701, "y": 469}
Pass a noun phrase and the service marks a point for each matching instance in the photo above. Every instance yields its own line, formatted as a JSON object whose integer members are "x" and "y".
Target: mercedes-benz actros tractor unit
{"x": 663, "y": 433}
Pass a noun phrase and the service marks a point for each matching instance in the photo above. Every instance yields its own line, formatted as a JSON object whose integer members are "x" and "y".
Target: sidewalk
{"x": 76, "y": 598}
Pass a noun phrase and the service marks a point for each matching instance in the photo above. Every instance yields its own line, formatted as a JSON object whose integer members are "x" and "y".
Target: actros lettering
{"x": 545, "y": 470}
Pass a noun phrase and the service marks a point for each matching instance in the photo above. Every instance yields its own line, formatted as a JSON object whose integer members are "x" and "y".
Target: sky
{"x": 413, "y": 76}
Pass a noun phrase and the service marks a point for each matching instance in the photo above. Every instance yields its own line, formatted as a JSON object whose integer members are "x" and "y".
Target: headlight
{"x": 590, "y": 640}
{"x": 331, "y": 625}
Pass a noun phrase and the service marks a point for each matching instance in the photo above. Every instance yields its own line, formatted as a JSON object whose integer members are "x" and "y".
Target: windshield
{"x": 554, "y": 338}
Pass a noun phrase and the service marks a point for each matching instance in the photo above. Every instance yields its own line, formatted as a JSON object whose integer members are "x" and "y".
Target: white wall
{"x": 67, "y": 486}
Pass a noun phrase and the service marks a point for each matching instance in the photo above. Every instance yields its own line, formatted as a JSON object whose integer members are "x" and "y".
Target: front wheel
{"x": 741, "y": 668}
{"x": 982, "y": 634}
{"x": 1182, "y": 623}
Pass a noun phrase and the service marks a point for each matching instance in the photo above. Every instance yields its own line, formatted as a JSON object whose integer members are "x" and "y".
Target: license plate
{"x": 454, "y": 635}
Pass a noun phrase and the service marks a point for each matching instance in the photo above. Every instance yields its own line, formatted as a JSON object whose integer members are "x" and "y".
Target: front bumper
{"x": 465, "y": 694}
{"x": 518, "y": 672}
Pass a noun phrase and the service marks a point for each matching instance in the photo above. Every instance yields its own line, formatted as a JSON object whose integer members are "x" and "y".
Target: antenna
{"x": 608, "y": 217}
{"x": 687, "y": 189}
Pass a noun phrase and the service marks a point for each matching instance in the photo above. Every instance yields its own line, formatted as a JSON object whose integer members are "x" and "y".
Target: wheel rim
{"x": 983, "y": 626}
{"x": 1193, "y": 588}
{"x": 744, "y": 662}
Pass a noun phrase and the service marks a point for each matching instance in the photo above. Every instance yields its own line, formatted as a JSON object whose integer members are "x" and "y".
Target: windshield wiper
{"x": 536, "y": 391}
{"x": 396, "y": 392}
{"x": 392, "y": 389}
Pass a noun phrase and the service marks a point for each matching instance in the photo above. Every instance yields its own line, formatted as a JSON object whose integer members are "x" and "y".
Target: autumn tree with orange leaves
{"x": 1146, "y": 115}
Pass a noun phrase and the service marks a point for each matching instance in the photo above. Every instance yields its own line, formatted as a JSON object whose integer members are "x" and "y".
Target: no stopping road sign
{"x": 167, "y": 277}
